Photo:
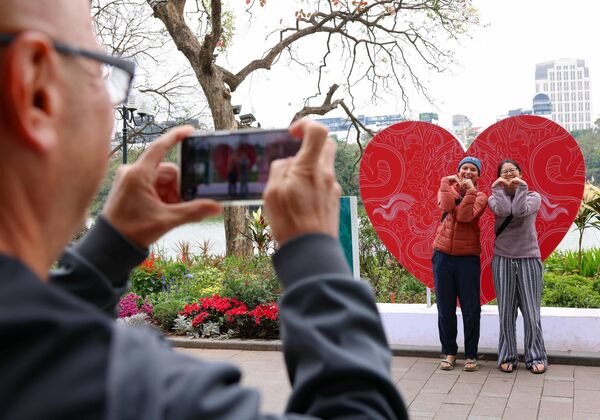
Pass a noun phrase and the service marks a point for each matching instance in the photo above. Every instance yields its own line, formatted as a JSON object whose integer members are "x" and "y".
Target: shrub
{"x": 389, "y": 279}
{"x": 137, "y": 320}
{"x": 147, "y": 278}
{"x": 132, "y": 304}
{"x": 251, "y": 281}
{"x": 222, "y": 316}
{"x": 568, "y": 262}
{"x": 166, "y": 312}
{"x": 571, "y": 291}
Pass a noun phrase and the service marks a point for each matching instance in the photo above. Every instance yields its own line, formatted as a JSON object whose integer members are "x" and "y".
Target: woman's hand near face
{"x": 500, "y": 182}
{"x": 453, "y": 179}
{"x": 516, "y": 181}
{"x": 468, "y": 184}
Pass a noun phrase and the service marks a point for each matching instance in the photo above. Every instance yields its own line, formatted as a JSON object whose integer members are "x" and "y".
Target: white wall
{"x": 564, "y": 328}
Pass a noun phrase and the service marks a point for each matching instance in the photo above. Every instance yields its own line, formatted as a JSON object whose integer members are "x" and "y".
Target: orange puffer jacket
{"x": 458, "y": 234}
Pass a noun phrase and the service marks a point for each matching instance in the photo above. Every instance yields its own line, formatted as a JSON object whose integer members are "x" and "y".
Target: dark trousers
{"x": 457, "y": 277}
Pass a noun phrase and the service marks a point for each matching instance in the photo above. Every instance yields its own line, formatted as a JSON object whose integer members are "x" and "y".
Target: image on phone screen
{"x": 232, "y": 166}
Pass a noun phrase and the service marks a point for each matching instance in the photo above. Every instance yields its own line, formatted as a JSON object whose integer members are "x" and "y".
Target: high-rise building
{"x": 567, "y": 83}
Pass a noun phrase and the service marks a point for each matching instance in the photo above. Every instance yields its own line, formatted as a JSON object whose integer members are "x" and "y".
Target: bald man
{"x": 62, "y": 355}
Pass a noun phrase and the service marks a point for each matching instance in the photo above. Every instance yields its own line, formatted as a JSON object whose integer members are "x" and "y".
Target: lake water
{"x": 214, "y": 232}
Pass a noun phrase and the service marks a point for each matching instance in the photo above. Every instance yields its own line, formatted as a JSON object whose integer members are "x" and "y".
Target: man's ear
{"x": 31, "y": 85}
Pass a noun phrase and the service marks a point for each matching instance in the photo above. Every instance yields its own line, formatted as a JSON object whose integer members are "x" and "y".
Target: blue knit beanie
{"x": 472, "y": 160}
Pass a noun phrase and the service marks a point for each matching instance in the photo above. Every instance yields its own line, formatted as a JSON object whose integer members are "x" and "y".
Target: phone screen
{"x": 231, "y": 166}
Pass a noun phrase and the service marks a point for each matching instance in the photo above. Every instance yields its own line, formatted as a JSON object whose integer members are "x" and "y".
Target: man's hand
{"x": 144, "y": 201}
{"x": 302, "y": 194}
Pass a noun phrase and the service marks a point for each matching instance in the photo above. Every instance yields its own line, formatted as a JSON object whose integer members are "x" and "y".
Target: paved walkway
{"x": 563, "y": 392}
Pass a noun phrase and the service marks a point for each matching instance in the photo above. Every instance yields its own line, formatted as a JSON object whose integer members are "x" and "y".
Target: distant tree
{"x": 589, "y": 143}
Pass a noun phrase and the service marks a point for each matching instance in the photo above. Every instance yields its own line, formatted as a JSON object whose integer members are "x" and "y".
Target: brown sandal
{"x": 536, "y": 370}
{"x": 507, "y": 367}
{"x": 471, "y": 365}
{"x": 447, "y": 364}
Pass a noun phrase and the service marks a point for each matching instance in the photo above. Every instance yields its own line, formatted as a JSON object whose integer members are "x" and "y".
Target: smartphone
{"x": 232, "y": 167}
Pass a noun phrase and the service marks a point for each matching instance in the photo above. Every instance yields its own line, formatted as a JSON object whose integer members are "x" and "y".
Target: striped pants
{"x": 518, "y": 283}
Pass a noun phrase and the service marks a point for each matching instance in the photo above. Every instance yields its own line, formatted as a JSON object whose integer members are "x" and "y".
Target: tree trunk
{"x": 235, "y": 222}
{"x": 219, "y": 101}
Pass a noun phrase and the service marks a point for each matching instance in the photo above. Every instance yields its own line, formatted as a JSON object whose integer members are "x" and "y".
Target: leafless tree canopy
{"x": 126, "y": 28}
{"x": 385, "y": 47}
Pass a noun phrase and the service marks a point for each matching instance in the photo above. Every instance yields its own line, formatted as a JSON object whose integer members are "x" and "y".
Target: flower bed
{"x": 209, "y": 317}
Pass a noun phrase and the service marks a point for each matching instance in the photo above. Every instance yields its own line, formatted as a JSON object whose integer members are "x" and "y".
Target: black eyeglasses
{"x": 509, "y": 171}
{"x": 117, "y": 73}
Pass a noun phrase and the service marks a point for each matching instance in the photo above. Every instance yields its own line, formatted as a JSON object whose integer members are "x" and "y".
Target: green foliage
{"x": 251, "y": 280}
{"x": 589, "y": 143}
{"x": 571, "y": 291}
{"x": 346, "y": 167}
{"x": 145, "y": 282}
{"x": 389, "y": 279}
{"x": 567, "y": 262}
{"x": 165, "y": 312}
{"x": 98, "y": 203}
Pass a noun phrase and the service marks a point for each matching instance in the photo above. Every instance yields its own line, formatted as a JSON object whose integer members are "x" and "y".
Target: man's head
{"x": 56, "y": 119}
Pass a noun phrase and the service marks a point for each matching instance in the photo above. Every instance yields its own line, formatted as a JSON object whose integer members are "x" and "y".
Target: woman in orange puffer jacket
{"x": 455, "y": 261}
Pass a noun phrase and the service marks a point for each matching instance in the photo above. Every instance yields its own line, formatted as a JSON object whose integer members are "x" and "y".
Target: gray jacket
{"x": 63, "y": 358}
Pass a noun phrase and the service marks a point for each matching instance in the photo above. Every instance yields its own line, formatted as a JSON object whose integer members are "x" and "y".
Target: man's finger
{"x": 159, "y": 148}
{"x": 192, "y": 211}
{"x": 328, "y": 154}
{"x": 166, "y": 173}
{"x": 314, "y": 136}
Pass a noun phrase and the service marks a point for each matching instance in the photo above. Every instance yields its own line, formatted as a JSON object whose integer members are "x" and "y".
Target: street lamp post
{"x": 126, "y": 112}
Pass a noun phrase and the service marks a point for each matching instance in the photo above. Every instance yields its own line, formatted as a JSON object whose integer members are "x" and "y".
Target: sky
{"x": 495, "y": 71}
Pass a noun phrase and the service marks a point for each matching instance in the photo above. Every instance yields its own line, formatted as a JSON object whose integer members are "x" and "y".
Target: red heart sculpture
{"x": 401, "y": 169}
{"x": 224, "y": 156}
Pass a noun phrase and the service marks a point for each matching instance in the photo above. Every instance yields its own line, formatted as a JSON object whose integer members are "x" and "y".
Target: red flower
{"x": 199, "y": 319}
{"x": 190, "y": 309}
{"x": 268, "y": 311}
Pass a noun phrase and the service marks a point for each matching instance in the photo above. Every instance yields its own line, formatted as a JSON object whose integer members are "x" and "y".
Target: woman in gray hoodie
{"x": 517, "y": 268}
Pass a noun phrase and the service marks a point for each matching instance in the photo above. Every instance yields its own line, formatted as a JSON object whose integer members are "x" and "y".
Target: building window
{"x": 587, "y": 85}
{"x": 559, "y": 106}
{"x": 587, "y": 96}
{"x": 558, "y": 86}
{"x": 567, "y": 118}
{"x": 572, "y": 85}
{"x": 579, "y": 74}
{"x": 574, "y": 117}
{"x": 545, "y": 87}
{"x": 572, "y": 74}
{"x": 566, "y": 75}
{"x": 581, "y": 106}
{"x": 558, "y": 76}
{"x": 567, "y": 107}
{"x": 552, "y": 97}
{"x": 580, "y": 96}
{"x": 587, "y": 106}
{"x": 551, "y": 76}
{"x": 579, "y": 85}
{"x": 572, "y": 96}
